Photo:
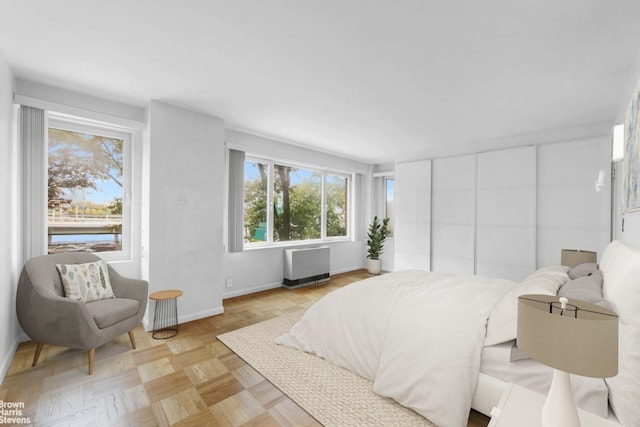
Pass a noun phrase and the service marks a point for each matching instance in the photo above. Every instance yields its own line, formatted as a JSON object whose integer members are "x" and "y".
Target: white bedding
{"x": 417, "y": 335}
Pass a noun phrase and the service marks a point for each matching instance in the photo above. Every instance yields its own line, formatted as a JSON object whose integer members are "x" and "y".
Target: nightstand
{"x": 522, "y": 407}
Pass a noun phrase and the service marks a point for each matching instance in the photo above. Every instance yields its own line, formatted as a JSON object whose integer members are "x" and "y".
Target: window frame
{"x": 323, "y": 217}
{"x": 81, "y": 125}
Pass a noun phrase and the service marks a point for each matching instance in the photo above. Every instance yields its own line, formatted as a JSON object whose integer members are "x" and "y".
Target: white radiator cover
{"x": 305, "y": 265}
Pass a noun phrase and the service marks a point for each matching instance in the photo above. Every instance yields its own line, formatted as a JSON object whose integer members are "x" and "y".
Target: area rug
{"x": 330, "y": 394}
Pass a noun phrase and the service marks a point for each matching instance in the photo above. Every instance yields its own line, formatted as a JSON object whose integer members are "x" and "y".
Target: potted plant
{"x": 376, "y": 236}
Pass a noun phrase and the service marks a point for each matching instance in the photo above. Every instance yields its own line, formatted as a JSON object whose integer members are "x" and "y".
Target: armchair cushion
{"x": 86, "y": 282}
{"x": 110, "y": 311}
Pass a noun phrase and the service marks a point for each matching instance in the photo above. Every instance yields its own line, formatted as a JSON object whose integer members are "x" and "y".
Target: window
{"x": 87, "y": 188}
{"x": 388, "y": 206}
{"x": 284, "y": 203}
{"x": 617, "y": 147}
{"x": 297, "y": 200}
{"x": 337, "y": 202}
{"x": 255, "y": 201}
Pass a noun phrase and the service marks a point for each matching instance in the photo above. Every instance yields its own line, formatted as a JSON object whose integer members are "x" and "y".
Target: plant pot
{"x": 374, "y": 266}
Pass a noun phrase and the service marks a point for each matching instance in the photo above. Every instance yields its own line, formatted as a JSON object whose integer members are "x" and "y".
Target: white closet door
{"x": 506, "y": 209}
{"x": 571, "y": 213}
{"x": 412, "y": 208}
{"x": 453, "y": 207}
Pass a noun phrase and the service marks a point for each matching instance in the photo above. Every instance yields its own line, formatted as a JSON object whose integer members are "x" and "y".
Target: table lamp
{"x": 570, "y": 336}
{"x": 574, "y": 257}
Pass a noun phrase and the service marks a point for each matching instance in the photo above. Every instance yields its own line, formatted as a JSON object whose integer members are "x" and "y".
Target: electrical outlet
{"x": 229, "y": 283}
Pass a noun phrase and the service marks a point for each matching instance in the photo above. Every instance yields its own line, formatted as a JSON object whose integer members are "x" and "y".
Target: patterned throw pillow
{"x": 87, "y": 282}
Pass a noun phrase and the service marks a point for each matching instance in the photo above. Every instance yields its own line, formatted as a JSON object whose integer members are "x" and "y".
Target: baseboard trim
{"x": 7, "y": 358}
{"x": 148, "y": 324}
{"x": 348, "y": 269}
{"x": 253, "y": 290}
{"x": 200, "y": 314}
{"x": 268, "y": 286}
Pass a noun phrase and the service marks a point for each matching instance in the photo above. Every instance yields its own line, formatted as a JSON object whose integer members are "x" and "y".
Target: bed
{"x": 443, "y": 343}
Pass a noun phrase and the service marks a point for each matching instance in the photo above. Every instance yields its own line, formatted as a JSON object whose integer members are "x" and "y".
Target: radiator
{"x": 303, "y": 266}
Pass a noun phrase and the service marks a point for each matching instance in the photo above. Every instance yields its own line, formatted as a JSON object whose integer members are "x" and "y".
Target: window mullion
{"x": 323, "y": 204}
{"x": 270, "y": 201}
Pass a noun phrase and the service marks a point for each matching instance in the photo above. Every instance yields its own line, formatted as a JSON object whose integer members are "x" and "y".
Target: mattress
{"x": 497, "y": 369}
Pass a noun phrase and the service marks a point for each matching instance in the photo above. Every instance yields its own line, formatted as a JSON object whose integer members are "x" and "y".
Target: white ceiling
{"x": 368, "y": 79}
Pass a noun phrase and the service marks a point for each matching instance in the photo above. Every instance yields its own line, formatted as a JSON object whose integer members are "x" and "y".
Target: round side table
{"x": 165, "y": 317}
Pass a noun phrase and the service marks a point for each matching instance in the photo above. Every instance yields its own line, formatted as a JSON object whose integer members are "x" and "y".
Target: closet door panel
{"x": 453, "y": 207}
{"x": 453, "y": 249}
{"x": 571, "y": 212}
{"x": 506, "y": 209}
{"x": 565, "y": 209}
{"x": 412, "y": 199}
{"x": 453, "y": 214}
{"x": 506, "y": 246}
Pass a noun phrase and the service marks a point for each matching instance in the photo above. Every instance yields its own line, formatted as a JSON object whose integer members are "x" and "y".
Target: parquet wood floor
{"x": 191, "y": 379}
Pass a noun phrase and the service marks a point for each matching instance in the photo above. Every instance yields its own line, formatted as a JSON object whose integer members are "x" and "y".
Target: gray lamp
{"x": 570, "y": 336}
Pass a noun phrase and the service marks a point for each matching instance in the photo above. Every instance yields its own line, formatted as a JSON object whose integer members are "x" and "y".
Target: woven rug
{"x": 330, "y": 394}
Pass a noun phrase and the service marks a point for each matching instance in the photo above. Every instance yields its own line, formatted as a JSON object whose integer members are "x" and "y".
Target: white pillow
{"x": 620, "y": 267}
{"x": 503, "y": 320}
{"x": 87, "y": 282}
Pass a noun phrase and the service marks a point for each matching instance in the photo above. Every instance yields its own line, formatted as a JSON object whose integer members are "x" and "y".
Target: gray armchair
{"x": 48, "y": 317}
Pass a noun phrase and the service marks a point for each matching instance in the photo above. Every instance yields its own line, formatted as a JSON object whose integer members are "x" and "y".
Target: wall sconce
{"x": 600, "y": 181}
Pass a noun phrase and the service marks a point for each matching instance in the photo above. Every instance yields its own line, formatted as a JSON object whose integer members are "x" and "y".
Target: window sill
{"x": 114, "y": 257}
{"x": 289, "y": 245}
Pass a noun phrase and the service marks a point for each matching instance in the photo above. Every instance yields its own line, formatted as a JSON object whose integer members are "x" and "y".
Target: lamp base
{"x": 559, "y": 408}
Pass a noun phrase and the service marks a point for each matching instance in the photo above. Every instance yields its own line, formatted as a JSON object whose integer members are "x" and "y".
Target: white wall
{"x": 80, "y": 104}
{"x": 286, "y": 150}
{"x": 185, "y": 198}
{"x": 627, "y": 225}
{"x": 9, "y": 269}
{"x": 631, "y": 231}
{"x": 258, "y": 269}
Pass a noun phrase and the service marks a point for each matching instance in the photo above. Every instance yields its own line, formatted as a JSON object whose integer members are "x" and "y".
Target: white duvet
{"x": 416, "y": 335}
